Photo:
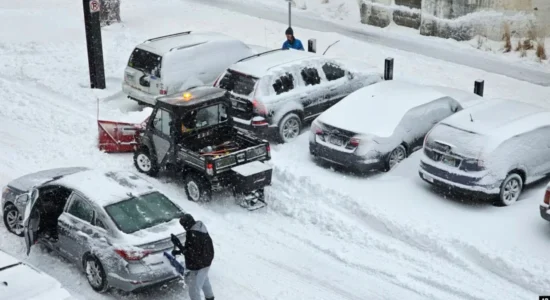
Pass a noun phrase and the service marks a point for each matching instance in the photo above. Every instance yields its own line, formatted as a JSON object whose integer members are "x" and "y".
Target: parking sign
{"x": 94, "y": 6}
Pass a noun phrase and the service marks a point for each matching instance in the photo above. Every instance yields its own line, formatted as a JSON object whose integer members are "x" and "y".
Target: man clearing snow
{"x": 292, "y": 42}
{"x": 199, "y": 253}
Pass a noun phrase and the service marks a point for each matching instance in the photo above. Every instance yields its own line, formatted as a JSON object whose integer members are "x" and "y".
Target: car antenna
{"x": 330, "y": 46}
{"x": 471, "y": 118}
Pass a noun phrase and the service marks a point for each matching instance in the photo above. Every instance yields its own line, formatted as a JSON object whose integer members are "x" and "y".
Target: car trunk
{"x": 241, "y": 90}
{"x": 448, "y": 139}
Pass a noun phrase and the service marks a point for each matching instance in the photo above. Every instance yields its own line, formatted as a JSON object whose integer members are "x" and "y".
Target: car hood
{"x": 26, "y": 182}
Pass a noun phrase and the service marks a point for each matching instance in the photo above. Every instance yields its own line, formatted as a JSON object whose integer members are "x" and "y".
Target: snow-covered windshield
{"x": 143, "y": 212}
{"x": 238, "y": 83}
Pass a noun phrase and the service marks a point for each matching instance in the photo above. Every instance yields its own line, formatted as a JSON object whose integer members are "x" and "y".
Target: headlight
{"x": 225, "y": 162}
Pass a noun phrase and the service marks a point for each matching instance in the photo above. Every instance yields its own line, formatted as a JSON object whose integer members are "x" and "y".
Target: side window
{"x": 333, "y": 71}
{"x": 99, "y": 223}
{"x": 162, "y": 121}
{"x": 146, "y": 62}
{"x": 81, "y": 209}
{"x": 310, "y": 76}
{"x": 284, "y": 84}
{"x": 211, "y": 115}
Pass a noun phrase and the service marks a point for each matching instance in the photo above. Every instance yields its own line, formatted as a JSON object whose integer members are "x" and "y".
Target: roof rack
{"x": 166, "y": 36}
{"x": 258, "y": 55}
{"x": 187, "y": 46}
{"x": 284, "y": 63}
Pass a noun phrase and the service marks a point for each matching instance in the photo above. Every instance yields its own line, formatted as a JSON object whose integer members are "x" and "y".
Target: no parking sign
{"x": 94, "y": 6}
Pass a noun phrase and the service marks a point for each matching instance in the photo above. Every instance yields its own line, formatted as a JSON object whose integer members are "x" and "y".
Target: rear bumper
{"x": 545, "y": 212}
{"x": 348, "y": 160}
{"x": 139, "y": 281}
{"x": 267, "y": 131}
{"x": 138, "y": 95}
{"x": 444, "y": 178}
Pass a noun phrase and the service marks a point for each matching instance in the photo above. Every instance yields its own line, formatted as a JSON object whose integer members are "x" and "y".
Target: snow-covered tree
{"x": 110, "y": 12}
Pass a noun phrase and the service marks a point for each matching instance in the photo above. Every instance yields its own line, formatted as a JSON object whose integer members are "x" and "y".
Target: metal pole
{"x": 289, "y": 13}
{"x": 94, "y": 44}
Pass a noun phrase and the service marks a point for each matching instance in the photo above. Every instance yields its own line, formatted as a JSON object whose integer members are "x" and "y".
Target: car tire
{"x": 396, "y": 156}
{"x": 145, "y": 162}
{"x": 95, "y": 274}
{"x": 11, "y": 214}
{"x": 197, "y": 188}
{"x": 289, "y": 128}
{"x": 510, "y": 190}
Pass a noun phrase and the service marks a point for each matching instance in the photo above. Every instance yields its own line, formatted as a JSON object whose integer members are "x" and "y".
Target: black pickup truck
{"x": 193, "y": 133}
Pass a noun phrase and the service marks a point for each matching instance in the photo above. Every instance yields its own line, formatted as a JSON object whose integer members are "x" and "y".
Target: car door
{"x": 75, "y": 227}
{"x": 31, "y": 220}
{"x": 312, "y": 96}
{"x": 336, "y": 87}
{"x": 161, "y": 135}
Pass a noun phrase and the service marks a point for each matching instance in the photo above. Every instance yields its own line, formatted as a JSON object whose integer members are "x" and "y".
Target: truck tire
{"x": 145, "y": 163}
{"x": 197, "y": 188}
{"x": 289, "y": 128}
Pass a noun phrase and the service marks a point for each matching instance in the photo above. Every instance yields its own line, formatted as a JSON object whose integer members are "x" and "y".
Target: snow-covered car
{"x": 21, "y": 281}
{"x": 172, "y": 63}
{"x": 378, "y": 126}
{"x": 275, "y": 92}
{"x": 113, "y": 225}
{"x": 494, "y": 148}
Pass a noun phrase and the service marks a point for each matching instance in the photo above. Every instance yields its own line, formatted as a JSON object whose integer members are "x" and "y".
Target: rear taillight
{"x": 210, "y": 169}
{"x": 5, "y": 192}
{"x": 354, "y": 142}
{"x": 547, "y": 197}
{"x": 259, "y": 121}
{"x": 259, "y": 107}
{"x": 132, "y": 255}
{"x": 163, "y": 92}
{"x": 268, "y": 150}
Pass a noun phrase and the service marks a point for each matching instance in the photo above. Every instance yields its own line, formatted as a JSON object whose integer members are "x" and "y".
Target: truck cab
{"x": 193, "y": 134}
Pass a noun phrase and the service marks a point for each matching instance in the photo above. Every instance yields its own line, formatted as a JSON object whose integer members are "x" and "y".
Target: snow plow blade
{"x": 118, "y": 137}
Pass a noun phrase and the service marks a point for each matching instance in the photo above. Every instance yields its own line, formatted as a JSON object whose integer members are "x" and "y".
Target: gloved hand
{"x": 175, "y": 252}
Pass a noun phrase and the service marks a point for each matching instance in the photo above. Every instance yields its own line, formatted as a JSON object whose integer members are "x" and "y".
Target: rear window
{"x": 145, "y": 61}
{"x": 238, "y": 83}
{"x": 143, "y": 212}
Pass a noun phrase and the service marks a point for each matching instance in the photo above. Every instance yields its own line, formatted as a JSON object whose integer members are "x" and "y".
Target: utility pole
{"x": 93, "y": 42}
{"x": 289, "y": 13}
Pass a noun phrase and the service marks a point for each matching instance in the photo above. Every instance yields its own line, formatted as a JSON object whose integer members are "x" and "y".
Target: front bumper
{"x": 345, "y": 159}
{"x": 545, "y": 212}
{"x": 468, "y": 183}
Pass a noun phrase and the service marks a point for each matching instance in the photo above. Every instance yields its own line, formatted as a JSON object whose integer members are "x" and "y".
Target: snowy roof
{"x": 258, "y": 65}
{"x": 501, "y": 119}
{"x": 465, "y": 98}
{"x": 378, "y": 108}
{"x": 106, "y": 187}
{"x": 162, "y": 45}
{"x": 26, "y": 182}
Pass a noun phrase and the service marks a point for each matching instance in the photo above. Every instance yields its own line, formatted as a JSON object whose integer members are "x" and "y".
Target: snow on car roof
{"x": 163, "y": 45}
{"x": 107, "y": 187}
{"x": 378, "y": 108}
{"x": 259, "y": 65}
{"x": 26, "y": 182}
{"x": 500, "y": 119}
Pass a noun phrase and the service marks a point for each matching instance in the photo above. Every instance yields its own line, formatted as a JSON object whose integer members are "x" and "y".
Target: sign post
{"x": 93, "y": 43}
{"x": 289, "y": 12}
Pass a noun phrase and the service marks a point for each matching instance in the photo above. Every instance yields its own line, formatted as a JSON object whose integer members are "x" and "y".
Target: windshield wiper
{"x": 10, "y": 266}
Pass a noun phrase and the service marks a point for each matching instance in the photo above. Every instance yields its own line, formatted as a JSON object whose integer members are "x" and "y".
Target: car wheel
{"x": 197, "y": 188}
{"x": 97, "y": 278}
{"x": 289, "y": 127}
{"x": 145, "y": 163}
{"x": 395, "y": 157}
{"x": 510, "y": 189}
{"x": 13, "y": 220}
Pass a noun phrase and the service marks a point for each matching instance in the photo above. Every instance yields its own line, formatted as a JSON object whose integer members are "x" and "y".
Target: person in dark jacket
{"x": 199, "y": 254}
{"x": 292, "y": 42}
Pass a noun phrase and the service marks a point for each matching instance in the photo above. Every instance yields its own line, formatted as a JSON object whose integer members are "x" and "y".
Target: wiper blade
{"x": 10, "y": 266}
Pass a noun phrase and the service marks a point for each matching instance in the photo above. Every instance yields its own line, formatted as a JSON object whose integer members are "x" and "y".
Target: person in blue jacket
{"x": 292, "y": 42}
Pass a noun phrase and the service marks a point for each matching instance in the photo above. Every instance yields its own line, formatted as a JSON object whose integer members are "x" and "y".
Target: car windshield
{"x": 238, "y": 83}
{"x": 143, "y": 212}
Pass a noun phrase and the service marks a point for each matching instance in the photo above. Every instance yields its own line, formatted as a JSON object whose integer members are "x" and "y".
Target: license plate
{"x": 449, "y": 161}
{"x": 336, "y": 141}
{"x": 428, "y": 178}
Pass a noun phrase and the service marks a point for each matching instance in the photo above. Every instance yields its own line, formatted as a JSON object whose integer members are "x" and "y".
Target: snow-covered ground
{"x": 325, "y": 234}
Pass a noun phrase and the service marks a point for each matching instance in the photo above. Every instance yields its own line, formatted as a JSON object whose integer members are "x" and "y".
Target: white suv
{"x": 275, "y": 92}
{"x": 172, "y": 63}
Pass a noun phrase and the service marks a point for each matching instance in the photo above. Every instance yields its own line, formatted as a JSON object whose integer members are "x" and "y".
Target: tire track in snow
{"x": 406, "y": 235}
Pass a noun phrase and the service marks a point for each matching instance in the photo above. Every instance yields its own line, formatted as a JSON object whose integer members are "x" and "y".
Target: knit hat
{"x": 289, "y": 31}
{"x": 187, "y": 221}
